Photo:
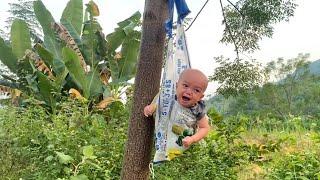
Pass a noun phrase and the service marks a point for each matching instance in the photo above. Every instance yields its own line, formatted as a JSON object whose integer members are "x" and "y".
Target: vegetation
{"x": 67, "y": 120}
{"x": 79, "y": 144}
{"x": 75, "y": 56}
{"x": 23, "y": 9}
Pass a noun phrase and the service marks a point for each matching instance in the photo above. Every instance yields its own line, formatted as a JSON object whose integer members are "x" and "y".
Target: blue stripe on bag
{"x": 182, "y": 10}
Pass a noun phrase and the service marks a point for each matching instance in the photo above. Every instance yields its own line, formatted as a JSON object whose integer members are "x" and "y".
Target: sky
{"x": 299, "y": 35}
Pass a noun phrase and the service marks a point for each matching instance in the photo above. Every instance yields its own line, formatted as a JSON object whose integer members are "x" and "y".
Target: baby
{"x": 190, "y": 90}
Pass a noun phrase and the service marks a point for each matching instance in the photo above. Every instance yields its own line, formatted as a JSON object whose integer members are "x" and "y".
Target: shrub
{"x": 296, "y": 166}
{"x": 74, "y": 143}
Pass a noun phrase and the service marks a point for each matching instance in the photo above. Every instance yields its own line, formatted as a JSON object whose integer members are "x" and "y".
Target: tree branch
{"x": 235, "y": 7}
{"x": 229, "y": 30}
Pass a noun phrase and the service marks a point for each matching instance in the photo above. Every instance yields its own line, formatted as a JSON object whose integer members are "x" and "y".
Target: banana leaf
{"x": 77, "y": 73}
{"x": 44, "y": 54}
{"x": 20, "y": 38}
{"x": 115, "y": 70}
{"x": 90, "y": 42}
{"x": 7, "y": 57}
{"x": 72, "y": 31}
{"x": 45, "y": 19}
{"x": 95, "y": 84}
{"x": 127, "y": 64}
{"x": 135, "y": 18}
{"x": 73, "y": 13}
{"x": 116, "y": 38}
{"x": 47, "y": 90}
{"x": 57, "y": 65}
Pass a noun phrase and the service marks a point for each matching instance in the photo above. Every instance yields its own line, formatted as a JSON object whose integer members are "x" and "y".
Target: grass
{"x": 293, "y": 142}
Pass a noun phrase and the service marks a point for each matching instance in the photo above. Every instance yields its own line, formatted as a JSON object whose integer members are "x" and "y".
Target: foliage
{"x": 293, "y": 92}
{"x": 236, "y": 78}
{"x": 247, "y": 21}
{"x": 214, "y": 158}
{"x": 209, "y": 160}
{"x": 296, "y": 166}
{"x": 76, "y": 143}
{"x": 71, "y": 144}
{"x": 74, "y": 55}
{"x": 23, "y": 9}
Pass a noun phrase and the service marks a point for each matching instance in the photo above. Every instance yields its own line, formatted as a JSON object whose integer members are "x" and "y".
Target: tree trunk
{"x": 147, "y": 82}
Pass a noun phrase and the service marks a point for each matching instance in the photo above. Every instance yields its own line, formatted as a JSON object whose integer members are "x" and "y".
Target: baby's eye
{"x": 185, "y": 85}
{"x": 197, "y": 90}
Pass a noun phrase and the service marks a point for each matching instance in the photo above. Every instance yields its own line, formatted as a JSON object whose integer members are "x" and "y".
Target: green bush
{"x": 209, "y": 159}
{"x": 296, "y": 166}
{"x": 74, "y": 143}
{"x": 214, "y": 158}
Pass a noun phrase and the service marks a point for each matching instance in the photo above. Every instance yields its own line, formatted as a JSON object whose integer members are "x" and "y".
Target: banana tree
{"x": 75, "y": 54}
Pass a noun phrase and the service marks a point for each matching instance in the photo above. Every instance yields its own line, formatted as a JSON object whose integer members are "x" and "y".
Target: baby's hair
{"x": 201, "y": 75}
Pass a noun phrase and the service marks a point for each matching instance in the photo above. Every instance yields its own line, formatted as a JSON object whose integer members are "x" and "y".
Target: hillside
{"x": 315, "y": 67}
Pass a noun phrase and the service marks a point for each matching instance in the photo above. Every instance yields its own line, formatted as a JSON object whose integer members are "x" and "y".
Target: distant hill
{"x": 315, "y": 67}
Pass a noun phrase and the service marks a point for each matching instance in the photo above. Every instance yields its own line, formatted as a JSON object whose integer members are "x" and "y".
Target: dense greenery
{"x": 73, "y": 143}
{"x": 79, "y": 144}
{"x": 293, "y": 91}
{"x": 75, "y": 57}
{"x": 261, "y": 129}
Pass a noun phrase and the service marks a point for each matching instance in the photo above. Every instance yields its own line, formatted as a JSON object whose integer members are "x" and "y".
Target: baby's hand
{"x": 187, "y": 141}
{"x": 148, "y": 110}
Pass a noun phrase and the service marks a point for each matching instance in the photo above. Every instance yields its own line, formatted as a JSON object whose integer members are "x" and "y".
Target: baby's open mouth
{"x": 185, "y": 98}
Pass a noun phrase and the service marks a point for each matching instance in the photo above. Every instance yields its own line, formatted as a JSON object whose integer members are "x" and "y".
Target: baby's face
{"x": 190, "y": 89}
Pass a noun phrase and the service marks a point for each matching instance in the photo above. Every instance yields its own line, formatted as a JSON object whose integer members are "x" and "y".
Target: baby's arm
{"x": 203, "y": 130}
{"x": 149, "y": 109}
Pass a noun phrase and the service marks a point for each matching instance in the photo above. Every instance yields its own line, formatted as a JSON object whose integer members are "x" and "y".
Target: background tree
{"x": 286, "y": 76}
{"x": 246, "y": 22}
{"x": 237, "y": 77}
{"x": 23, "y": 9}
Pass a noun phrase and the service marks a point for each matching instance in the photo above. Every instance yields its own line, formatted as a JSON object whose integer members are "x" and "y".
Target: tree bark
{"x": 147, "y": 82}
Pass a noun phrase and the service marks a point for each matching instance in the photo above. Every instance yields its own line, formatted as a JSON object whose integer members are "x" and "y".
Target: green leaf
{"x": 94, "y": 83}
{"x": 75, "y": 69}
{"x": 45, "y": 55}
{"x": 53, "y": 46}
{"x": 90, "y": 42}
{"x": 115, "y": 39}
{"x": 64, "y": 159}
{"x": 73, "y": 13}
{"x": 128, "y": 62}
{"x": 7, "y": 57}
{"x": 60, "y": 70}
{"x": 45, "y": 19}
{"x": 20, "y": 38}
{"x": 48, "y": 159}
{"x": 115, "y": 70}
{"x": 58, "y": 66}
{"x": 88, "y": 152}
{"x": 135, "y": 18}
{"x": 46, "y": 90}
{"x": 72, "y": 31}
{"x": 79, "y": 177}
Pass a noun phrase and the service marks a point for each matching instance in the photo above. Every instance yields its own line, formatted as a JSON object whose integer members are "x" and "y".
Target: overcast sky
{"x": 299, "y": 35}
